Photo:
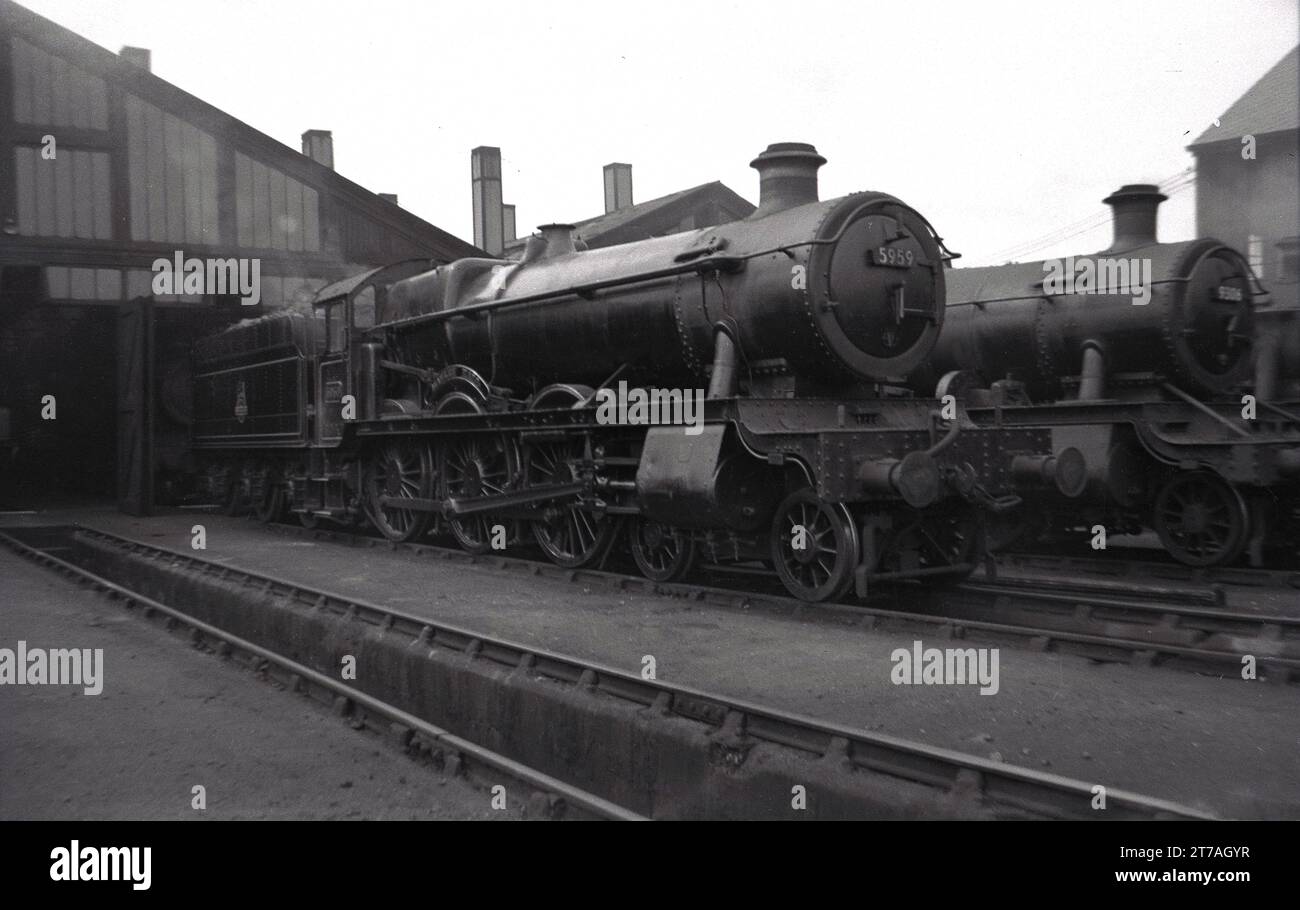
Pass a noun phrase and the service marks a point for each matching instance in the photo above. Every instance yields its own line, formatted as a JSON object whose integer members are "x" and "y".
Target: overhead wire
{"x": 1170, "y": 186}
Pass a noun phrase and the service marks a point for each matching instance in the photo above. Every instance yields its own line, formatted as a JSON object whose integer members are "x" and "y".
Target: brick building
{"x": 1248, "y": 173}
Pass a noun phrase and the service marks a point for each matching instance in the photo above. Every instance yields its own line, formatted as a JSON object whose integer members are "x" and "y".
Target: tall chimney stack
{"x": 137, "y": 56}
{"x": 489, "y": 219}
{"x": 618, "y": 187}
{"x": 1133, "y": 207}
{"x": 787, "y": 176}
{"x": 508, "y": 223}
{"x": 318, "y": 145}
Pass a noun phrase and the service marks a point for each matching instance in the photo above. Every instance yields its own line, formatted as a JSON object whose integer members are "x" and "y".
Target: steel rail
{"x": 590, "y": 802}
{"x": 1091, "y": 630}
{"x": 998, "y": 783}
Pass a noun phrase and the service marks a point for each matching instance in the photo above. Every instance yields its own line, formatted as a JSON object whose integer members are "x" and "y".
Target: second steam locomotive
{"x": 1183, "y": 405}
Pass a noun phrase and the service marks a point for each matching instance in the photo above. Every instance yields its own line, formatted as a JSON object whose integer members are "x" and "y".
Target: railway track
{"x": 1125, "y": 564}
{"x": 412, "y": 733}
{"x": 1146, "y": 625}
{"x": 1007, "y": 790}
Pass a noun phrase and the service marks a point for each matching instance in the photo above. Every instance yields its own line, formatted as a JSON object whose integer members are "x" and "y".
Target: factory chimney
{"x": 508, "y": 223}
{"x": 787, "y": 176}
{"x": 618, "y": 187}
{"x": 137, "y": 56}
{"x": 489, "y": 219}
{"x": 1133, "y": 207}
{"x": 318, "y": 145}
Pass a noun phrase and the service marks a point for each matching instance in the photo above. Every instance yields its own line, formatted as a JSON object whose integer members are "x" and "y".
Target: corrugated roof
{"x": 103, "y": 62}
{"x": 1271, "y": 105}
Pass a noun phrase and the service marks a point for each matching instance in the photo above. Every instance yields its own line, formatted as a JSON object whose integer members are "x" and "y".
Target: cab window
{"x": 363, "y": 309}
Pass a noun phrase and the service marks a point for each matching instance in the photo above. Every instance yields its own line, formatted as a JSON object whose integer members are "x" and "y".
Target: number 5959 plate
{"x": 893, "y": 257}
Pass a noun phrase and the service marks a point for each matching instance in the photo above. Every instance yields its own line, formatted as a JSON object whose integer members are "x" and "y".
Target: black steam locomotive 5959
{"x": 489, "y": 398}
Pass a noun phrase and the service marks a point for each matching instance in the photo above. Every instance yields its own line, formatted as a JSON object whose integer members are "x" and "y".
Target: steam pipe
{"x": 1092, "y": 373}
{"x": 722, "y": 382}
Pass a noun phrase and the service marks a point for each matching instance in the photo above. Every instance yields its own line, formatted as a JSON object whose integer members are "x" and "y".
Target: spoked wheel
{"x": 662, "y": 553}
{"x": 570, "y": 535}
{"x": 814, "y": 546}
{"x": 933, "y": 541}
{"x": 399, "y": 470}
{"x": 268, "y": 495}
{"x": 475, "y": 466}
{"x": 1201, "y": 519}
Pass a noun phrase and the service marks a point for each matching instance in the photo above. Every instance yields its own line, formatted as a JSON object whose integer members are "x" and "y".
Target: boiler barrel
{"x": 1194, "y": 328}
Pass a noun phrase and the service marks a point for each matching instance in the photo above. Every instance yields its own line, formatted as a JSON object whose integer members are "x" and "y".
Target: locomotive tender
{"x": 1151, "y": 392}
{"x": 462, "y": 398}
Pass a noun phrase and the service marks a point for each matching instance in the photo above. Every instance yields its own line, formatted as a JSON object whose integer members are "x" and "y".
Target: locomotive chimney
{"x": 549, "y": 241}
{"x": 787, "y": 176}
{"x": 1134, "y": 213}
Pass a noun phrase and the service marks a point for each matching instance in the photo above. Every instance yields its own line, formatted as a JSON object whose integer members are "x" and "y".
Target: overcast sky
{"x": 1000, "y": 121}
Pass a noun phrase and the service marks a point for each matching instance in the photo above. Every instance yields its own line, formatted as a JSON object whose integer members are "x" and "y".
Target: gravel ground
{"x": 1219, "y": 744}
{"x": 170, "y": 718}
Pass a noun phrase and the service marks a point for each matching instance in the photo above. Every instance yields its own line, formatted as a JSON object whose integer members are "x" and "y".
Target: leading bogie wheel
{"x": 1201, "y": 519}
{"x": 662, "y": 553}
{"x": 814, "y": 546}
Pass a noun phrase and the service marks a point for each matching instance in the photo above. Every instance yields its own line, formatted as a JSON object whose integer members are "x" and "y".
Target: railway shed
{"x": 107, "y": 169}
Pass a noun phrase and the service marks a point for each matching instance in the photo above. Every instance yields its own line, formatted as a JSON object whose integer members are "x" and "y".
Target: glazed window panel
{"x": 243, "y": 191}
{"x": 25, "y": 174}
{"x": 173, "y": 177}
{"x": 65, "y": 196}
{"x": 293, "y": 220}
{"x": 273, "y": 210}
{"x": 22, "y": 63}
{"x": 56, "y": 282}
{"x": 63, "y": 193}
{"x": 50, "y": 91}
{"x": 83, "y": 203}
{"x": 261, "y": 205}
{"x": 310, "y": 221}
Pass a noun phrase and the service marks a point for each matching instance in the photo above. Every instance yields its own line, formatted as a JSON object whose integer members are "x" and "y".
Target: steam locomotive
{"x": 466, "y": 399}
{"x": 1177, "y": 398}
